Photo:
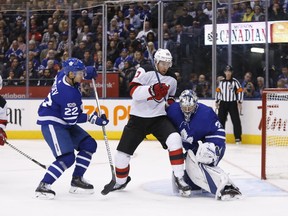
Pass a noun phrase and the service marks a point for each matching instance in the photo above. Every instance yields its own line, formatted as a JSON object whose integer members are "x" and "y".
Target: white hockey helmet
{"x": 188, "y": 101}
{"x": 163, "y": 55}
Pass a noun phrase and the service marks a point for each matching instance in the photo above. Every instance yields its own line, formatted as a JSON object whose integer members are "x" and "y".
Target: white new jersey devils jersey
{"x": 143, "y": 105}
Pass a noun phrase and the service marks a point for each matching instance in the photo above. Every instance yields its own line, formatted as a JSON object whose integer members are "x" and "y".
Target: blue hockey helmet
{"x": 188, "y": 101}
{"x": 73, "y": 65}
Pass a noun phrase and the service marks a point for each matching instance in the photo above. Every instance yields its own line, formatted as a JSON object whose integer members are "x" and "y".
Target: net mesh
{"x": 277, "y": 135}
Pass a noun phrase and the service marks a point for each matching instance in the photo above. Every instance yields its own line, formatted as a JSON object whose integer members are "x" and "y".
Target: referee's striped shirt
{"x": 229, "y": 90}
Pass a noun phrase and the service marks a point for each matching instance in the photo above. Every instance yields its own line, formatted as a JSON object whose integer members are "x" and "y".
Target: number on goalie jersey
{"x": 199, "y": 126}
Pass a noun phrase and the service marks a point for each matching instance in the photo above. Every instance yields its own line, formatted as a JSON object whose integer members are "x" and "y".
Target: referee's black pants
{"x": 232, "y": 109}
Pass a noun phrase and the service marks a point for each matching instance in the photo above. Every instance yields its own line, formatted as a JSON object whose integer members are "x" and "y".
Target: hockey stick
{"x": 150, "y": 56}
{"x": 27, "y": 156}
{"x": 108, "y": 187}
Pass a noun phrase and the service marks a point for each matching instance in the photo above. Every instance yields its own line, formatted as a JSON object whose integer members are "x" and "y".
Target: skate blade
{"x": 44, "y": 196}
{"x": 77, "y": 190}
{"x": 185, "y": 193}
{"x": 230, "y": 198}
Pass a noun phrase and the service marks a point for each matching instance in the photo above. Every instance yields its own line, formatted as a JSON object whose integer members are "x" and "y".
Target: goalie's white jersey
{"x": 143, "y": 105}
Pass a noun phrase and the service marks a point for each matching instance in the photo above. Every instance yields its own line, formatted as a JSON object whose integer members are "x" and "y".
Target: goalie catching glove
{"x": 158, "y": 91}
{"x": 207, "y": 153}
{"x": 98, "y": 120}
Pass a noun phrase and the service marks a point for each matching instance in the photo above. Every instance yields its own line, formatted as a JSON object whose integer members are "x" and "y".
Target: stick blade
{"x": 108, "y": 187}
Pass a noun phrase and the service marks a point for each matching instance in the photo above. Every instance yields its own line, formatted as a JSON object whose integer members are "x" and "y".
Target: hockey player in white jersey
{"x": 148, "y": 116}
{"x": 3, "y": 117}
{"x": 204, "y": 140}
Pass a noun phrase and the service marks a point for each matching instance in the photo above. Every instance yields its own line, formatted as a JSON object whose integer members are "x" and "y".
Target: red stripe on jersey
{"x": 176, "y": 157}
{"x": 133, "y": 87}
{"x": 3, "y": 122}
{"x": 122, "y": 173}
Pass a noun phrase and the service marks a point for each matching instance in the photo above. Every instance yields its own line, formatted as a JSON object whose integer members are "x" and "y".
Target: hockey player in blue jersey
{"x": 59, "y": 115}
{"x": 203, "y": 138}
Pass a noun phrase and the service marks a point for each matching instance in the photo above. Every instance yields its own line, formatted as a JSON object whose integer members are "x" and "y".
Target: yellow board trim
{"x": 116, "y": 135}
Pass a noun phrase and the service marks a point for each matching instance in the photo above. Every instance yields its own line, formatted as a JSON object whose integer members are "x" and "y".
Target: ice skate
{"x": 118, "y": 186}
{"x": 229, "y": 192}
{"x": 182, "y": 187}
{"x": 43, "y": 191}
{"x": 80, "y": 186}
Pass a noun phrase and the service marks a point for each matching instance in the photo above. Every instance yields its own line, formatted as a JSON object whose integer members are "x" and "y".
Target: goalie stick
{"x": 110, "y": 185}
{"x": 27, "y": 156}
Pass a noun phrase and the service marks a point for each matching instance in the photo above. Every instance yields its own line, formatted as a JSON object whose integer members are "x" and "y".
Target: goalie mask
{"x": 163, "y": 55}
{"x": 188, "y": 101}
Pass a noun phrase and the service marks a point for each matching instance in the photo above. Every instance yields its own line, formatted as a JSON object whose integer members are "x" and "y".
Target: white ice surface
{"x": 148, "y": 194}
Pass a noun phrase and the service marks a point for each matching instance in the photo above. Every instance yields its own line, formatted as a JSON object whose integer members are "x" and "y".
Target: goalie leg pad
{"x": 211, "y": 178}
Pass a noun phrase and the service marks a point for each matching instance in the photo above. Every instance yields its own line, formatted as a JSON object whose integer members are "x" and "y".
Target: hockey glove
{"x": 3, "y": 136}
{"x": 98, "y": 120}
{"x": 158, "y": 90}
{"x": 207, "y": 153}
{"x": 91, "y": 73}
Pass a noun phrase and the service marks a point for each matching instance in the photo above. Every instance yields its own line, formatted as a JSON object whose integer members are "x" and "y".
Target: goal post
{"x": 274, "y": 151}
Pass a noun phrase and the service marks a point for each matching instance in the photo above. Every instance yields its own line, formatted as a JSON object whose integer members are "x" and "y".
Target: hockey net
{"x": 274, "y": 162}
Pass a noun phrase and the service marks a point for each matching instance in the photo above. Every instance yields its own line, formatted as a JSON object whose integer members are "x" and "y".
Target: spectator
{"x": 260, "y": 85}
{"x": 49, "y": 34}
{"x": 119, "y": 62}
{"x": 64, "y": 44}
{"x": 134, "y": 19}
{"x": 46, "y": 79}
{"x": 248, "y": 15}
{"x": 138, "y": 59}
{"x": 14, "y": 50}
{"x": 78, "y": 51}
{"x": 34, "y": 50}
{"x": 18, "y": 28}
{"x": 50, "y": 56}
{"x": 11, "y": 79}
{"x": 146, "y": 29}
{"x": 202, "y": 88}
{"x": 125, "y": 29}
{"x": 87, "y": 60}
{"x": 15, "y": 67}
{"x": 208, "y": 11}
{"x": 247, "y": 78}
{"x": 249, "y": 91}
{"x": 112, "y": 52}
{"x": 281, "y": 83}
{"x": 44, "y": 52}
{"x": 150, "y": 51}
{"x": 258, "y": 14}
{"x": 82, "y": 36}
{"x": 86, "y": 90}
{"x": 284, "y": 75}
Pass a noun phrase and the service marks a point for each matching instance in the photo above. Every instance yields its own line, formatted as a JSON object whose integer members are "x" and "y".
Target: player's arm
{"x": 139, "y": 90}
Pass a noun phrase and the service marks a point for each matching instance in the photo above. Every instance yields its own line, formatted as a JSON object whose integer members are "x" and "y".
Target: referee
{"x": 229, "y": 97}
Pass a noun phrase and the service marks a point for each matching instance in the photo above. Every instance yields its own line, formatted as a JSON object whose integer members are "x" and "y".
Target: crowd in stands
{"x": 132, "y": 31}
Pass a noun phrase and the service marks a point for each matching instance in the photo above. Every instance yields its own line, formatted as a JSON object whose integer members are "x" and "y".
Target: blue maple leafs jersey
{"x": 63, "y": 105}
{"x": 204, "y": 125}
